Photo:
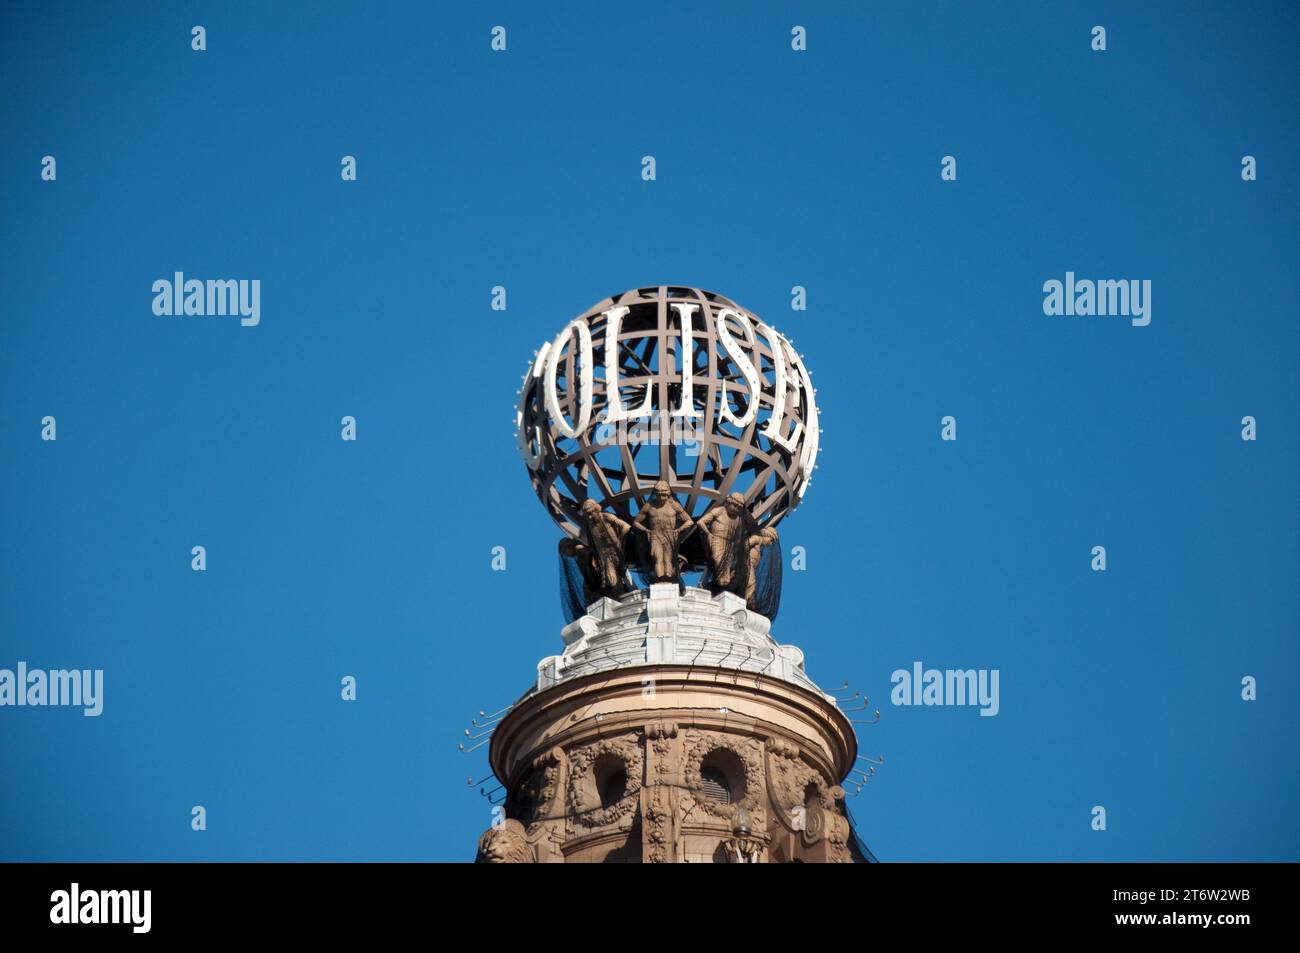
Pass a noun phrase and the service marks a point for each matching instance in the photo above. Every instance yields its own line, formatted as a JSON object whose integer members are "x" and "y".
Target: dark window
{"x": 611, "y": 781}
{"x": 722, "y": 777}
{"x": 715, "y": 784}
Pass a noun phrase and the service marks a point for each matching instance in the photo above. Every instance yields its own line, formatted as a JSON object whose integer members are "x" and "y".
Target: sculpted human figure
{"x": 602, "y": 539}
{"x": 757, "y": 542}
{"x": 728, "y": 528}
{"x": 664, "y": 523}
{"x": 598, "y": 552}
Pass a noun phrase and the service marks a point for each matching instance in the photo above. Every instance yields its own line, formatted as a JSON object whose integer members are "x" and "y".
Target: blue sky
{"x": 522, "y": 169}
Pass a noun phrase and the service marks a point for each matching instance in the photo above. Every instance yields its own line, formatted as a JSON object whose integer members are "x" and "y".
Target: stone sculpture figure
{"x": 757, "y": 543}
{"x": 506, "y": 843}
{"x": 599, "y": 551}
{"x": 728, "y": 529}
{"x": 665, "y": 524}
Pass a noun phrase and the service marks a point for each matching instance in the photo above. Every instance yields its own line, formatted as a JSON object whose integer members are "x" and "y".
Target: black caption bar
{"x": 138, "y": 902}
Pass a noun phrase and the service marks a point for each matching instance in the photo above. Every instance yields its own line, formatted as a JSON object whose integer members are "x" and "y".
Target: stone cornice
{"x": 608, "y": 703}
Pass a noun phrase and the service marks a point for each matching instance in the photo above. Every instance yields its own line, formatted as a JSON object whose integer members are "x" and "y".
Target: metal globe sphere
{"x": 672, "y": 384}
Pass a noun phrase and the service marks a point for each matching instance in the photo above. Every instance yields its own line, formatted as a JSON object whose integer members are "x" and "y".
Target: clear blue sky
{"x": 775, "y": 168}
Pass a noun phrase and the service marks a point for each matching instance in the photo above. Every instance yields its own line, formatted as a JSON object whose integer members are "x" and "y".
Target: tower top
{"x": 667, "y": 431}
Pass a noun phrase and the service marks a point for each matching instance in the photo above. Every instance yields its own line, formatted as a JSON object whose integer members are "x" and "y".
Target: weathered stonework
{"x": 672, "y": 762}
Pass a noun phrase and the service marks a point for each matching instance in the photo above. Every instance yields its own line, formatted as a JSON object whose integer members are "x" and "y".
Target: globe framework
{"x": 732, "y": 412}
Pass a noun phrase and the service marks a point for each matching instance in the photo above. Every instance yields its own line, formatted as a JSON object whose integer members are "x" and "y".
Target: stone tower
{"x": 668, "y": 431}
{"x": 673, "y": 729}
